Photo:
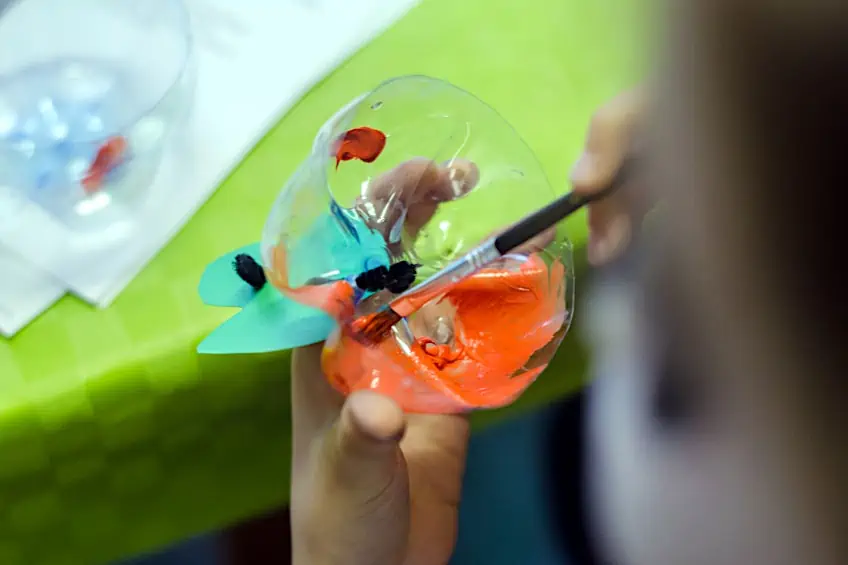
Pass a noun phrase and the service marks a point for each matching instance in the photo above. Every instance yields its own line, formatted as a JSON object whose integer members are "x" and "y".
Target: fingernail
{"x": 597, "y": 251}
{"x": 581, "y": 172}
{"x": 590, "y": 254}
{"x": 613, "y": 242}
{"x": 619, "y": 233}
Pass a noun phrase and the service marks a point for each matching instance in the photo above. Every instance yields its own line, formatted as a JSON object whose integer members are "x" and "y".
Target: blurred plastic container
{"x": 89, "y": 90}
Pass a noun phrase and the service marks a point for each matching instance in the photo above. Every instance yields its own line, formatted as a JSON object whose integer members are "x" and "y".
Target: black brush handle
{"x": 556, "y": 211}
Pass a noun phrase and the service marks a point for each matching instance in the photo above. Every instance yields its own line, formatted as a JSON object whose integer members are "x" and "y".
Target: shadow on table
{"x": 522, "y": 499}
{"x": 204, "y": 550}
{"x": 257, "y": 542}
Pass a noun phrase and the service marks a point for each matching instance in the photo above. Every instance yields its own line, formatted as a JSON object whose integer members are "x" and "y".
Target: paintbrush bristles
{"x": 376, "y": 327}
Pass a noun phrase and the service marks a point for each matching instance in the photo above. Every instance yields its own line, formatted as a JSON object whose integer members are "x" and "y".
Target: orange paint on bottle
{"x": 502, "y": 317}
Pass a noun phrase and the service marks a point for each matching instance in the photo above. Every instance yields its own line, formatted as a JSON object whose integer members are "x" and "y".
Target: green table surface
{"x": 115, "y": 437}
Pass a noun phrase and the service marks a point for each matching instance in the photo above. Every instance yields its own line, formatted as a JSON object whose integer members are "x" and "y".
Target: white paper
{"x": 25, "y": 292}
{"x": 255, "y": 59}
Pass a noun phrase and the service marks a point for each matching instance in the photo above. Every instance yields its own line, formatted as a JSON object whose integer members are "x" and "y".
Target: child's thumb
{"x": 360, "y": 511}
{"x": 361, "y": 452}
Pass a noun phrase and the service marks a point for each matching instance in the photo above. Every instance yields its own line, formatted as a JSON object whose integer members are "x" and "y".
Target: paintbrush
{"x": 373, "y": 328}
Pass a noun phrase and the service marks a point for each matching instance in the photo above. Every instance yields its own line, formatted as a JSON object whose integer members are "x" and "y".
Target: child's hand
{"x": 369, "y": 484}
{"x": 607, "y": 144}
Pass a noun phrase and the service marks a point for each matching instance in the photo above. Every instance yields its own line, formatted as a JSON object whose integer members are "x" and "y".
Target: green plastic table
{"x": 116, "y": 438}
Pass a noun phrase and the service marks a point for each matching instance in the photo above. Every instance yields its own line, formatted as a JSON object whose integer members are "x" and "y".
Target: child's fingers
{"x": 608, "y": 143}
{"x": 353, "y": 501}
{"x": 412, "y": 191}
{"x": 360, "y": 452}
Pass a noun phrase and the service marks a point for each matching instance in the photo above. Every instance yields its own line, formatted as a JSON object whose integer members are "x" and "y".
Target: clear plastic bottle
{"x": 421, "y": 171}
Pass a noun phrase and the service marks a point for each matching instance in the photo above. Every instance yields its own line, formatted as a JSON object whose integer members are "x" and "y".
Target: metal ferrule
{"x": 441, "y": 282}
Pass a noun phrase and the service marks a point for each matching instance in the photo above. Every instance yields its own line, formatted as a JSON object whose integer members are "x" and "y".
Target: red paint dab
{"x": 108, "y": 157}
{"x": 362, "y": 143}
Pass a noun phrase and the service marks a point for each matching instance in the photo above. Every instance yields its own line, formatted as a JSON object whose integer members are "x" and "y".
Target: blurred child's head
{"x": 718, "y": 425}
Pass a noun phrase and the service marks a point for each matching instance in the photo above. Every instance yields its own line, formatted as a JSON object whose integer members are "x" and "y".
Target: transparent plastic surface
{"x": 419, "y": 171}
{"x": 89, "y": 90}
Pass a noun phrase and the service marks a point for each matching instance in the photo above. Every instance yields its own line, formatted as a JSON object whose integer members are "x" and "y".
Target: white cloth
{"x": 253, "y": 63}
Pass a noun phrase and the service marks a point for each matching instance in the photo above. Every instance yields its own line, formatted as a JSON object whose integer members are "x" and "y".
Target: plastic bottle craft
{"x": 400, "y": 182}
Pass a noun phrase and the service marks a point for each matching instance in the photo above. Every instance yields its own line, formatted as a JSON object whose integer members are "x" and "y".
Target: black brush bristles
{"x": 249, "y": 271}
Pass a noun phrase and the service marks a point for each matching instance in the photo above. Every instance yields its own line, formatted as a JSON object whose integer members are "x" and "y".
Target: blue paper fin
{"x": 221, "y": 286}
{"x": 269, "y": 322}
